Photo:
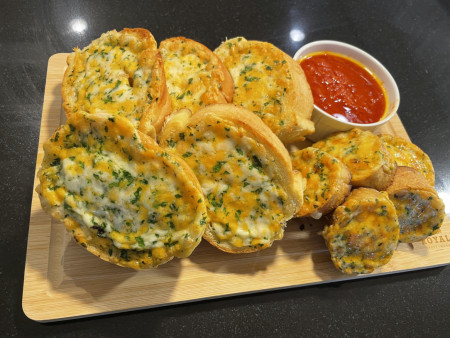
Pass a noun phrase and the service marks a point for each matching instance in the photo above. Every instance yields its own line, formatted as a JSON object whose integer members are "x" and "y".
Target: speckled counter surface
{"x": 411, "y": 38}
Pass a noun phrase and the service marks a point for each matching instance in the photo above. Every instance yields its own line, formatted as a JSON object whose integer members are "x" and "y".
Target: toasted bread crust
{"x": 271, "y": 84}
{"x": 370, "y": 164}
{"x": 419, "y": 209}
{"x": 195, "y": 75}
{"x": 364, "y": 233}
{"x": 239, "y": 137}
{"x": 157, "y": 112}
{"x": 408, "y": 154}
{"x": 120, "y": 162}
{"x": 327, "y": 181}
{"x": 120, "y": 73}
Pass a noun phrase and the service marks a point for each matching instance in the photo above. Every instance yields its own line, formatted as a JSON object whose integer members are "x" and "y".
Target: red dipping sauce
{"x": 344, "y": 88}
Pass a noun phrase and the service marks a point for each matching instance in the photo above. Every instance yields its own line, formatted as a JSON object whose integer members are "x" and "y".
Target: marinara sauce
{"x": 343, "y": 88}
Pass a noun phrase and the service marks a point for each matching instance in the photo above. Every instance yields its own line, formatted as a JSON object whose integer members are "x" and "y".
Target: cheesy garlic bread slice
{"x": 364, "y": 233}
{"x": 409, "y": 155}
{"x": 195, "y": 76}
{"x": 327, "y": 181}
{"x": 120, "y": 73}
{"x": 245, "y": 173}
{"x": 119, "y": 194}
{"x": 370, "y": 164}
{"x": 271, "y": 84}
{"x": 419, "y": 209}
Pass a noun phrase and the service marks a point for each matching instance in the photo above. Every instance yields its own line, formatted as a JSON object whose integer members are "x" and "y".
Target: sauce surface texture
{"x": 343, "y": 88}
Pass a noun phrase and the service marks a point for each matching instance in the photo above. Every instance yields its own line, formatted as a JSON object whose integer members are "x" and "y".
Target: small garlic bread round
{"x": 271, "y": 84}
{"x": 327, "y": 181}
{"x": 195, "y": 76}
{"x": 364, "y": 233}
{"x": 119, "y": 194}
{"x": 120, "y": 73}
{"x": 370, "y": 164}
{"x": 419, "y": 209}
{"x": 409, "y": 155}
{"x": 245, "y": 173}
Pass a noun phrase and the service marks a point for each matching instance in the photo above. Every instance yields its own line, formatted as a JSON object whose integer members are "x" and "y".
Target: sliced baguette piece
{"x": 419, "y": 209}
{"x": 408, "y": 154}
{"x": 120, "y": 195}
{"x": 364, "y": 233}
{"x": 271, "y": 84}
{"x": 327, "y": 181}
{"x": 195, "y": 76}
{"x": 370, "y": 164}
{"x": 120, "y": 73}
{"x": 245, "y": 173}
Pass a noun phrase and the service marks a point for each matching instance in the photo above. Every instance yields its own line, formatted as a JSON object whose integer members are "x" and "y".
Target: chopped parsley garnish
{"x": 218, "y": 166}
{"x": 140, "y": 241}
{"x": 137, "y": 195}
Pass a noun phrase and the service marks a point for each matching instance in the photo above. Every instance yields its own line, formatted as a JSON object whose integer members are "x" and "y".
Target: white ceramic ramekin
{"x": 326, "y": 124}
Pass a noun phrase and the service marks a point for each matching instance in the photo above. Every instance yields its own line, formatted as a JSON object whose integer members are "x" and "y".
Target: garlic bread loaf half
{"x": 119, "y": 194}
{"x": 120, "y": 73}
{"x": 327, "y": 181}
{"x": 271, "y": 84}
{"x": 195, "y": 76}
{"x": 245, "y": 173}
{"x": 364, "y": 233}
{"x": 409, "y": 155}
{"x": 419, "y": 209}
{"x": 370, "y": 164}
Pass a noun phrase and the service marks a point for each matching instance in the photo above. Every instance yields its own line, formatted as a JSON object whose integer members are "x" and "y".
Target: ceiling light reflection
{"x": 78, "y": 25}
{"x": 297, "y": 35}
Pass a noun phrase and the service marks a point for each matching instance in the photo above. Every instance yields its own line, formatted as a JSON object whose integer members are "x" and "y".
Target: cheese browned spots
{"x": 408, "y": 154}
{"x": 364, "y": 233}
{"x": 268, "y": 84}
{"x": 245, "y": 201}
{"x": 327, "y": 181}
{"x": 117, "y": 74}
{"x": 364, "y": 154}
{"x": 195, "y": 75}
{"x": 103, "y": 175}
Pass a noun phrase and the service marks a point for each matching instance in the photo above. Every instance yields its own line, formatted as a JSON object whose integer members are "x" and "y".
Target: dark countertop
{"x": 411, "y": 38}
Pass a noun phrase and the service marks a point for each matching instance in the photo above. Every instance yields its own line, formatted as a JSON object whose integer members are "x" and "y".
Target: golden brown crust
{"x": 120, "y": 73}
{"x": 370, "y": 164}
{"x": 408, "y": 154}
{"x": 271, "y": 84}
{"x": 239, "y": 124}
{"x": 196, "y": 77}
{"x": 111, "y": 142}
{"x": 156, "y": 113}
{"x": 419, "y": 209}
{"x": 327, "y": 181}
{"x": 408, "y": 178}
{"x": 144, "y": 36}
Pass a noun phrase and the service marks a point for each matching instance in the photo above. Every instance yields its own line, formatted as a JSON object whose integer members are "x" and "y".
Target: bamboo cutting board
{"x": 63, "y": 281}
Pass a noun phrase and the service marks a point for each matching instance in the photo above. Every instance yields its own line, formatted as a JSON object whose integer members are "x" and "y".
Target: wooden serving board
{"x": 63, "y": 280}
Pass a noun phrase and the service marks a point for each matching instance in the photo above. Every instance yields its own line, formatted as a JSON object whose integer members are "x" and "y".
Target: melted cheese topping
{"x": 110, "y": 76}
{"x": 420, "y": 214}
{"x": 408, "y": 154}
{"x": 193, "y": 78}
{"x": 109, "y": 182}
{"x": 364, "y": 234}
{"x": 323, "y": 175}
{"x": 361, "y": 151}
{"x": 245, "y": 204}
{"x": 261, "y": 78}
